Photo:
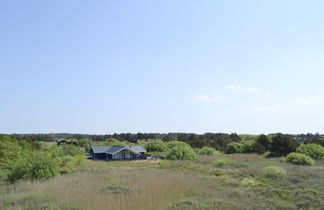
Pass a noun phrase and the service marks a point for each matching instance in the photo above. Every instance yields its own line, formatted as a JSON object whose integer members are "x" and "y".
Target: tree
{"x": 262, "y": 144}
{"x": 282, "y": 145}
{"x": 156, "y": 146}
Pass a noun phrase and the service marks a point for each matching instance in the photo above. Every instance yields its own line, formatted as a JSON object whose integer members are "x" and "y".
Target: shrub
{"x": 282, "y": 145}
{"x": 72, "y": 150}
{"x": 172, "y": 144}
{"x": 221, "y": 162}
{"x": 181, "y": 153}
{"x": 247, "y": 146}
{"x": 208, "y": 151}
{"x": 274, "y": 172}
{"x": 34, "y": 166}
{"x": 234, "y": 147}
{"x": 312, "y": 150}
{"x": 156, "y": 146}
{"x": 299, "y": 159}
{"x": 117, "y": 189}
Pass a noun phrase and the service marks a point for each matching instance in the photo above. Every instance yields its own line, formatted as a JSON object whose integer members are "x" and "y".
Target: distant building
{"x": 63, "y": 142}
{"x": 117, "y": 152}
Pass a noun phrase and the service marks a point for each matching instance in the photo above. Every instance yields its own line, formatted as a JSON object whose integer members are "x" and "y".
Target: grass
{"x": 199, "y": 184}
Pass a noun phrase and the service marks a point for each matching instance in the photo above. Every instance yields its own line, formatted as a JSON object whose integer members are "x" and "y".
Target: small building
{"x": 63, "y": 142}
{"x": 117, "y": 152}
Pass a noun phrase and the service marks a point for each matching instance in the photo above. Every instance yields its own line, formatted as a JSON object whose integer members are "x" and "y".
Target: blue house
{"x": 117, "y": 152}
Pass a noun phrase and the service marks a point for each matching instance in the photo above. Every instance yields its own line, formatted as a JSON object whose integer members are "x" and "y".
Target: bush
{"x": 312, "y": 150}
{"x": 282, "y": 145}
{"x": 247, "y": 146}
{"x": 117, "y": 189}
{"x": 72, "y": 150}
{"x": 234, "y": 147}
{"x": 299, "y": 159}
{"x": 172, "y": 144}
{"x": 34, "y": 166}
{"x": 221, "y": 162}
{"x": 274, "y": 172}
{"x": 208, "y": 151}
{"x": 181, "y": 153}
{"x": 156, "y": 146}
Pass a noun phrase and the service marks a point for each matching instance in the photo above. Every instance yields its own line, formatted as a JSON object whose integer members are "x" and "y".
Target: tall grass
{"x": 200, "y": 184}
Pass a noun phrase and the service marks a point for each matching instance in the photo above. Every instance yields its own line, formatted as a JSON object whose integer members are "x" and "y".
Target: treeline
{"x": 218, "y": 141}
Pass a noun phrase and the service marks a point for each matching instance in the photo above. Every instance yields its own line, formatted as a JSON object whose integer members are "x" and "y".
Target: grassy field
{"x": 210, "y": 182}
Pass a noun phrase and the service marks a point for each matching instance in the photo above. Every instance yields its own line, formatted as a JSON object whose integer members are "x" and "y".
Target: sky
{"x": 101, "y": 67}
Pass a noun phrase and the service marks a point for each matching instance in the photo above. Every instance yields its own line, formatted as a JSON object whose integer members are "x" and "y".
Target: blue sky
{"x": 161, "y": 66}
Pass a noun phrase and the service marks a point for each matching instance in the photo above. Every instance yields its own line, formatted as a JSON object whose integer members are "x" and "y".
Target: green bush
{"x": 156, "y": 146}
{"x": 181, "y": 153}
{"x": 312, "y": 150}
{"x": 247, "y": 146}
{"x": 34, "y": 166}
{"x": 234, "y": 147}
{"x": 172, "y": 144}
{"x": 274, "y": 172}
{"x": 72, "y": 150}
{"x": 221, "y": 162}
{"x": 208, "y": 151}
{"x": 299, "y": 159}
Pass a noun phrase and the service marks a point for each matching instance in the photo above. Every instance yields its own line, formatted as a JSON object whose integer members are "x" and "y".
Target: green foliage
{"x": 208, "y": 151}
{"x": 85, "y": 143}
{"x": 234, "y": 147}
{"x": 113, "y": 141}
{"x": 117, "y": 189}
{"x": 282, "y": 145}
{"x": 37, "y": 165}
{"x": 299, "y": 159}
{"x": 172, "y": 144}
{"x": 247, "y": 146}
{"x": 221, "y": 162}
{"x": 72, "y": 150}
{"x": 181, "y": 152}
{"x": 312, "y": 150}
{"x": 262, "y": 144}
{"x": 20, "y": 159}
{"x": 156, "y": 146}
{"x": 201, "y": 203}
{"x": 274, "y": 172}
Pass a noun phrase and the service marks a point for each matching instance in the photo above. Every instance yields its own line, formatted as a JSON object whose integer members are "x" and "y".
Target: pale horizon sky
{"x": 161, "y": 66}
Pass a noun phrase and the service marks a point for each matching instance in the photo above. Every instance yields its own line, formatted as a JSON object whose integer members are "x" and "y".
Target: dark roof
{"x": 100, "y": 149}
{"x": 116, "y": 148}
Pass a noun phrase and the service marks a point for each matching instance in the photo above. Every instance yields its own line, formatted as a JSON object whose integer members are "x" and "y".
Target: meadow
{"x": 226, "y": 181}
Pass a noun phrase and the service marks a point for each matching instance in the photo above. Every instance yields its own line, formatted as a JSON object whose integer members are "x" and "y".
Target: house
{"x": 117, "y": 152}
{"x": 63, "y": 142}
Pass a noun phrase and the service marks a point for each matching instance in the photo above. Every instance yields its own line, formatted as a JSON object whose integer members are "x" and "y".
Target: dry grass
{"x": 173, "y": 185}
{"x": 154, "y": 189}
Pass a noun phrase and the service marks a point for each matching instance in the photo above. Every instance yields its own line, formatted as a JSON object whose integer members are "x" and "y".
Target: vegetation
{"x": 299, "y": 159}
{"x": 156, "y": 146}
{"x": 181, "y": 153}
{"x": 312, "y": 150}
{"x": 207, "y": 151}
{"x": 283, "y": 145}
{"x": 274, "y": 172}
{"x": 22, "y": 159}
{"x": 186, "y": 180}
{"x": 187, "y": 184}
{"x": 234, "y": 147}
